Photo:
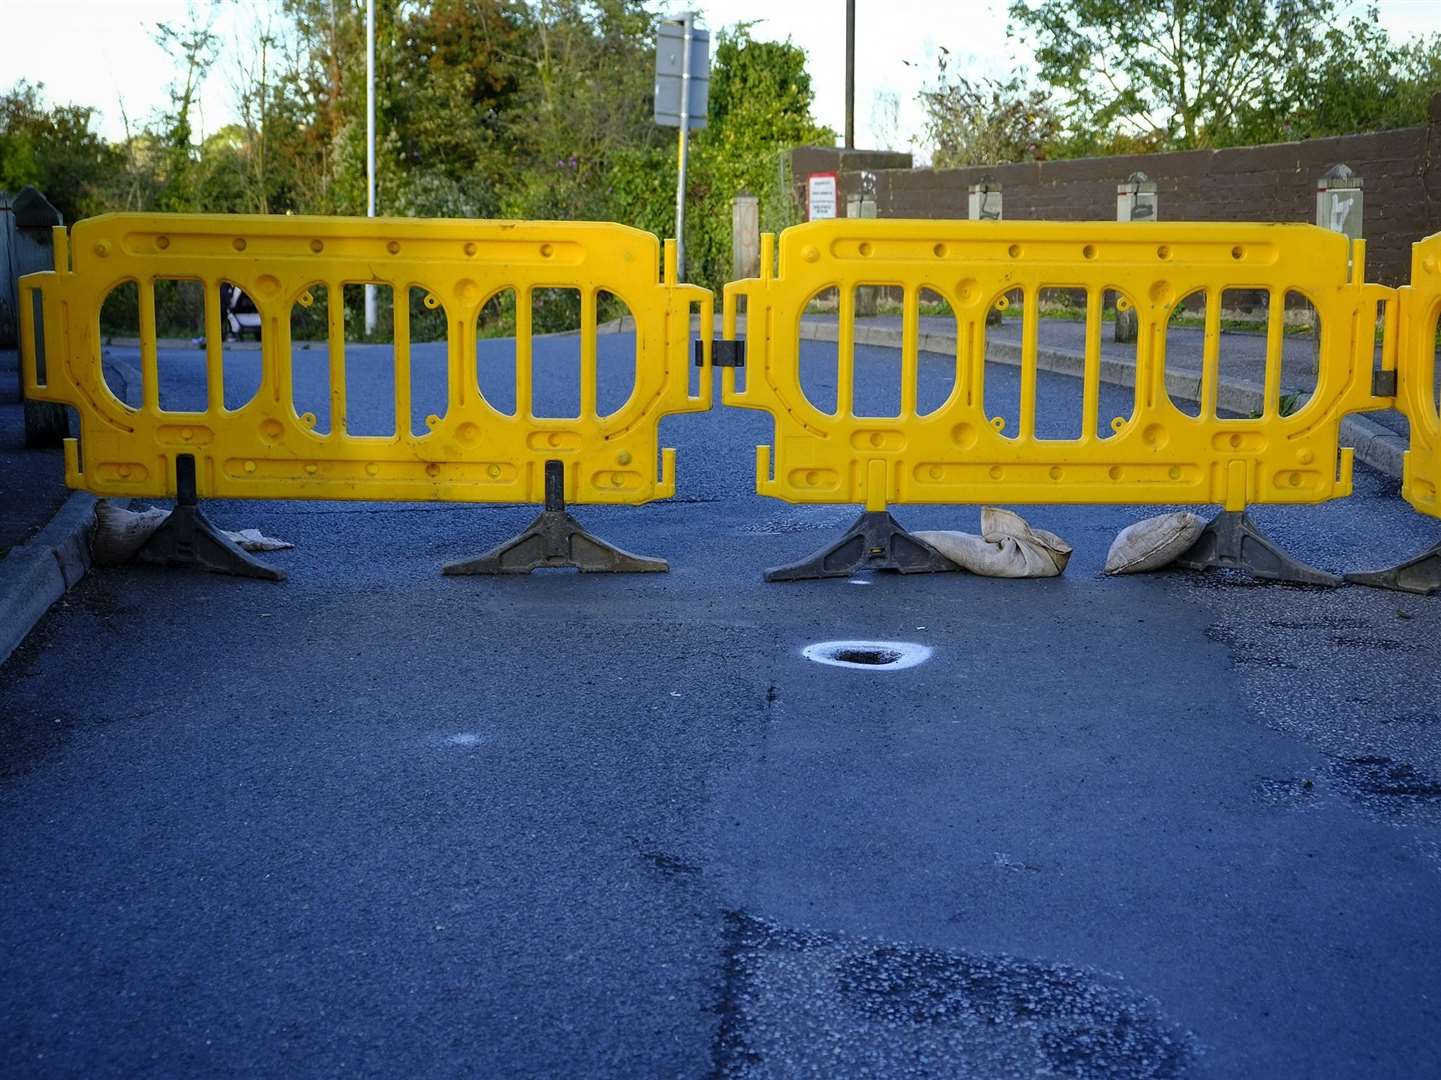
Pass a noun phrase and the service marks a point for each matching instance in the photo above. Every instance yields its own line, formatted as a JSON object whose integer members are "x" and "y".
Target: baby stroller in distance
{"x": 238, "y": 314}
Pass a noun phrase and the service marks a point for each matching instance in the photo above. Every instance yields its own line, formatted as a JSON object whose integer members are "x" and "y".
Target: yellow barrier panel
{"x": 1418, "y": 395}
{"x": 472, "y": 452}
{"x": 957, "y": 453}
{"x": 1418, "y": 388}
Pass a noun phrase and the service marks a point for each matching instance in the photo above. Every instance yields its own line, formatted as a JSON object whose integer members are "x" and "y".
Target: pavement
{"x": 32, "y": 482}
{"x": 378, "y": 821}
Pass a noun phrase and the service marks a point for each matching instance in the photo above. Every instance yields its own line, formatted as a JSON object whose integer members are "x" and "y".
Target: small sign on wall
{"x": 820, "y": 196}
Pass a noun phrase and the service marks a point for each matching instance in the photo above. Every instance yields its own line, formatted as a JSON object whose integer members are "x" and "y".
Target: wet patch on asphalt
{"x": 669, "y": 865}
{"x": 1387, "y": 787}
{"x": 1241, "y": 653}
{"x": 1288, "y": 792}
{"x": 1343, "y": 671}
{"x": 801, "y": 1004}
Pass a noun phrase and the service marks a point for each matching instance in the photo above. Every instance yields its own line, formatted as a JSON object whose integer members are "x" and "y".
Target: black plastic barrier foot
{"x": 555, "y": 539}
{"x": 1231, "y": 541}
{"x": 875, "y": 541}
{"x": 187, "y": 538}
{"x": 1421, "y": 575}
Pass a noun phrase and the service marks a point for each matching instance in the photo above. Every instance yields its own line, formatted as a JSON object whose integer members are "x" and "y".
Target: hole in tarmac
{"x": 876, "y": 657}
{"x": 872, "y": 655}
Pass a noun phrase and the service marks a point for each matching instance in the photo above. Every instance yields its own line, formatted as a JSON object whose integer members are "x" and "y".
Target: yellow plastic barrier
{"x": 1418, "y": 395}
{"x": 959, "y": 454}
{"x": 1417, "y": 392}
{"x": 268, "y": 450}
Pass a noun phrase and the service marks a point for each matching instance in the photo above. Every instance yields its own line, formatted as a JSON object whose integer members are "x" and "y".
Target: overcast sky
{"x": 108, "y": 58}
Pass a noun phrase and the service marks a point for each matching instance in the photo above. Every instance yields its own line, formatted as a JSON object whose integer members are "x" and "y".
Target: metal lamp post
{"x": 370, "y": 308}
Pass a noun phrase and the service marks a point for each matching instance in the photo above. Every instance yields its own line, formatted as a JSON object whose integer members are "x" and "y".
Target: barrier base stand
{"x": 187, "y": 537}
{"x": 1421, "y": 575}
{"x": 556, "y": 540}
{"x": 875, "y": 541}
{"x": 1231, "y": 541}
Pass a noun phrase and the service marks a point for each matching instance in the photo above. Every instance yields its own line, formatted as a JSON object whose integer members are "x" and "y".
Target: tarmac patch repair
{"x": 807, "y": 1004}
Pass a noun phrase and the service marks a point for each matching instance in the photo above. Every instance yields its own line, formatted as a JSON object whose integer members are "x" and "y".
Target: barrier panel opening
{"x": 363, "y": 398}
{"x": 496, "y": 333}
{"x": 1001, "y": 385}
{"x": 876, "y": 375}
{"x": 617, "y": 356}
{"x": 180, "y": 368}
{"x": 428, "y": 333}
{"x": 1241, "y": 352}
{"x": 820, "y": 355}
{"x": 236, "y": 322}
{"x": 37, "y": 322}
{"x": 1061, "y": 318}
{"x": 1434, "y": 341}
{"x": 939, "y": 372}
{"x": 555, "y": 354}
{"x": 119, "y": 330}
{"x": 693, "y": 371}
{"x": 1300, "y": 353}
{"x": 1189, "y": 334}
{"x": 1115, "y": 405}
{"x": 310, "y": 375}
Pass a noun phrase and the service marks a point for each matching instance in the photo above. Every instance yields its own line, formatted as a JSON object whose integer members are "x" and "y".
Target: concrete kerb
{"x": 35, "y": 574}
{"x": 1376, "y": 446}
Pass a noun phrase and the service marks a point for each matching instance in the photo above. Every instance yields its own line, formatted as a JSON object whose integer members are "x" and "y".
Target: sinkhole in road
{"x": 868, "y": 655}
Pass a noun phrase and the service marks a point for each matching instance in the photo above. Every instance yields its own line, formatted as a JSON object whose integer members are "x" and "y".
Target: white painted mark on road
{"x": 868, "y": 655}
{"x": 467, "y": 738}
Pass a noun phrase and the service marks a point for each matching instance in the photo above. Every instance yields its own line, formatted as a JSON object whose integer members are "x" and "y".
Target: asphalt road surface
{"x": 376, "y": 821}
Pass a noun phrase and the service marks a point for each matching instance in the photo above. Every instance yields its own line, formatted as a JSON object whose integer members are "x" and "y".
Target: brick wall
{"x": 1401, "y": 170}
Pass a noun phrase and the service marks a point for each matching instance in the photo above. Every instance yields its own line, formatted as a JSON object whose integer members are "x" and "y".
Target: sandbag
{"x": 1007, "y": 547}
{"x": 1153, "y": 542}
{"x": 120, "y": 534}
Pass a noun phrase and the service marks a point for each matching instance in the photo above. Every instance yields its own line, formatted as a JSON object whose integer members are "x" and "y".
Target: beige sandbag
{"x": 1153, "y": 542}
{"x": 1007, "y": 547}
{"x": 120, "y": 534}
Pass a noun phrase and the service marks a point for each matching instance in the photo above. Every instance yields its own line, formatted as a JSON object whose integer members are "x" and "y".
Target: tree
{"x": 54, "y": 148}
{"x": 193, "y": 47}
{"x": 760, "y": 106}
{"x": 1362, "y": 81}
{"x": 1171, "y": 75}
{"x": 986, "y": 121}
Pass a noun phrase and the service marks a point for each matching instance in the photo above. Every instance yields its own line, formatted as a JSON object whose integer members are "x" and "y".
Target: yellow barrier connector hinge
{"x": 723, "y": 353}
